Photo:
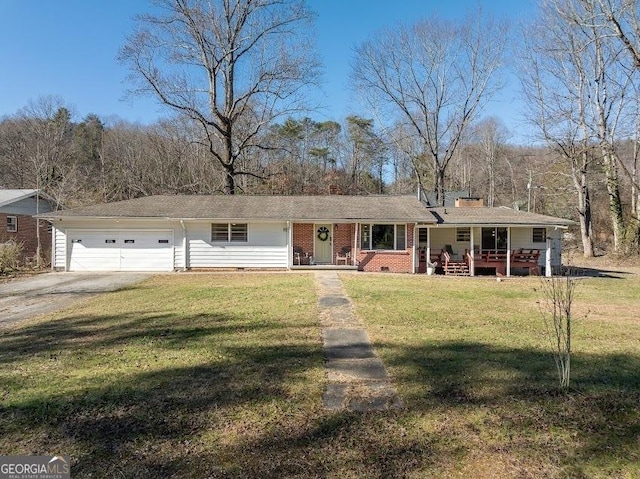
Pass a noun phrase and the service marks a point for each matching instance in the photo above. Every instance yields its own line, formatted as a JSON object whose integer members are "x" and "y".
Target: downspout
{"x": 185, "y": 247}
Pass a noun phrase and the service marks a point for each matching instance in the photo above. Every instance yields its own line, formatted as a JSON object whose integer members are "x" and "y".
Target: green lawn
{"x": 221, "y": 375}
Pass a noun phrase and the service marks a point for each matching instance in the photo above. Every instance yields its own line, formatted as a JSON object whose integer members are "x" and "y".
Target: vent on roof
{"x": 469, "y": 202}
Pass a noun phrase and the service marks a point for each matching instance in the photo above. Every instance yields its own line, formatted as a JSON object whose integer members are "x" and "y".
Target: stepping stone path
{"x": 356, "y": 378}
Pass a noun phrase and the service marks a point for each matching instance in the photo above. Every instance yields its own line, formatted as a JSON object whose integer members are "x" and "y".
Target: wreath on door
{"x": 323, "y": 233}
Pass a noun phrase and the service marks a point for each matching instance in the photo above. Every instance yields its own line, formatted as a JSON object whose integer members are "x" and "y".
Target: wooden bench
{"x": 526, "y": 258}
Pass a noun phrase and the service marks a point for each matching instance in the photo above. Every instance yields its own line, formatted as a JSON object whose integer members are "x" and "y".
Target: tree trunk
{"x": 615, "y": 202}
{"x": 439, "y": 177}
{"x": 586, "y": 224}
{"x": 230, "y": 181}
{"x": 579, "y": 169}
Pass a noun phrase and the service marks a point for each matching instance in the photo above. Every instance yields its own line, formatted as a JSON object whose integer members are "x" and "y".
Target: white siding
{"x": 523, "y": 238}
{"x": 266, "y": 247}
{"x": 59, "y": 250}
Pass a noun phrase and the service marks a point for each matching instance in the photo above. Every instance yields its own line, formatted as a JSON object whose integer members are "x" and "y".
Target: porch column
{"x": 355, "y": 245}
{"x": 472, "y": 268}
{"x": 185, "y": 247}
{"x": 289, "y": 245}
{"x": 414, "y": 249}
{"x": 547, "y": 260}
{"x": 428, "y": 252}
{"x": 508, "y": 251}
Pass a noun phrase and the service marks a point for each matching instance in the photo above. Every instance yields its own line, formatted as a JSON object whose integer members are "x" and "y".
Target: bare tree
{"x": 578, "y": 89}
{"x": 232, "y": 66}
{"x": 556, "y": 305}
{"x": 490, "y": 137}
{"x": 434, "y": 76}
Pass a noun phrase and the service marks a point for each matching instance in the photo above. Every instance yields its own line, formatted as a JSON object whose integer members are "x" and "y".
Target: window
{"x": 12, "y": 224}
{"x": 110, "y": 241}
{"x": 423, "y": 236}
{"x": 229, "y": 232}
{"x": 129, "y": 241}
{"x": 539, "y": 235}
{"x": 163, "y": 241}
{"x": 383, "y": 237}
{"x": 463, "y": 235}
{"x": 238, "y": 232}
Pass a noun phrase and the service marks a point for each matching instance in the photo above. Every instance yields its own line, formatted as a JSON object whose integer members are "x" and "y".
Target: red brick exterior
{"x": 369, "y": 261}
{"x": 26, "y": 234}
{"x": 391, "y": 261}
{"x": 303, "y": 237}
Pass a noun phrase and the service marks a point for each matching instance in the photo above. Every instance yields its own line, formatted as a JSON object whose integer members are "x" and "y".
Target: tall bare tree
{"x": 232, "y": 66}
{"x": 435, "y": 76}
{"x": 578, "y": 88}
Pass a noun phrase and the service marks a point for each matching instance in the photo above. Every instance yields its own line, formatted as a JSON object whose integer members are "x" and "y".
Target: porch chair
{"x": 300, "y": 257}
{"x": 344, "y": 255}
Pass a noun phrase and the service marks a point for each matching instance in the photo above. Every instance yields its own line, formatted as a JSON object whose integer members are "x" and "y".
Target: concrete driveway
{"x": 44, "y": 293}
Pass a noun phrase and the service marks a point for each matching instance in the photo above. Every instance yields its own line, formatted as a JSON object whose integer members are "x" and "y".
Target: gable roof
{"x": 11, "y": 196}
{"x": 269, "y": 208}
{"x": 500, "y": 216}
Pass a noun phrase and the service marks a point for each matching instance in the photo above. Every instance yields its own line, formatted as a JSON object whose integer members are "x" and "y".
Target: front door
{"x": 323, "y": 244}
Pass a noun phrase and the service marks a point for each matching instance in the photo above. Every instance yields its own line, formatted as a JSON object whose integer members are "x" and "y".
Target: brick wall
{"x": 392, "y": 261}
{"x": 303, "y": 235}
{"x": 342, "y": 238}
{"x": 27, "y": 235}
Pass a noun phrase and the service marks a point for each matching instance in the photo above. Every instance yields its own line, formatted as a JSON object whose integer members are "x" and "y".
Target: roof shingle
{"x": 244, "y": 207}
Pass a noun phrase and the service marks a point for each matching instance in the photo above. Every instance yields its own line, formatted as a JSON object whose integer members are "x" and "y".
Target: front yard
{"x": 221, "y": 375}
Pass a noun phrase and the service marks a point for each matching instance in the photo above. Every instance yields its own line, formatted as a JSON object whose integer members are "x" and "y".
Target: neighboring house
{"x": 368, "y": 233}
{"x": 17, "y": 222}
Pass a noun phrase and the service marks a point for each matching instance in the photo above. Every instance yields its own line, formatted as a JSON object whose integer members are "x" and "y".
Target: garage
{"x": 125, "y": 250}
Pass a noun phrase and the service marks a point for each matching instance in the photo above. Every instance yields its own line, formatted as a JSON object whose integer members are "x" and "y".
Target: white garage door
{"x": 135, "y": 250}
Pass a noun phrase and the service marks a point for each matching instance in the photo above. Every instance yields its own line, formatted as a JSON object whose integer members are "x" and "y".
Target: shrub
{"x": 10, "y": 254}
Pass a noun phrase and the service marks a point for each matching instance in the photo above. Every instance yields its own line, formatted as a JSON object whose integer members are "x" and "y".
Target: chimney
{"x": 469, "y": 202}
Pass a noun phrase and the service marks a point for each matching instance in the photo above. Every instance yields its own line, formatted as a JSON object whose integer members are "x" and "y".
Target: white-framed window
{"x": 12, "y": 224}
{"x": 463, "y": 235}
{"x": 539, "y": 235}
{"x": 383, "y": 236}
{"x": 229, "y": 232}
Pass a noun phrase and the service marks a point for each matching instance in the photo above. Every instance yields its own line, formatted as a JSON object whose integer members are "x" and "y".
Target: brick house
{"x": 373, "y": 233}
{"x": 17, "y": 222}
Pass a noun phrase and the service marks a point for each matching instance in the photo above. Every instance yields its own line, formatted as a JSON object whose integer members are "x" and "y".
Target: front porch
{"x": 488, "y": 250}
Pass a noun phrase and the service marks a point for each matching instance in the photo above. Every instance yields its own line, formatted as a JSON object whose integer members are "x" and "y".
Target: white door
{"x": 323, "y": 244}
{"x": 135, "y": 250}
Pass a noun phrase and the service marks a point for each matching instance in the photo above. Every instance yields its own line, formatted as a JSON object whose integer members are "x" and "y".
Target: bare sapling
{"x": 555, "y": 305}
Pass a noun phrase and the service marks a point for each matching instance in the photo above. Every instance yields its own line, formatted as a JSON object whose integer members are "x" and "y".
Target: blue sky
{"x": 68, "y": 48}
